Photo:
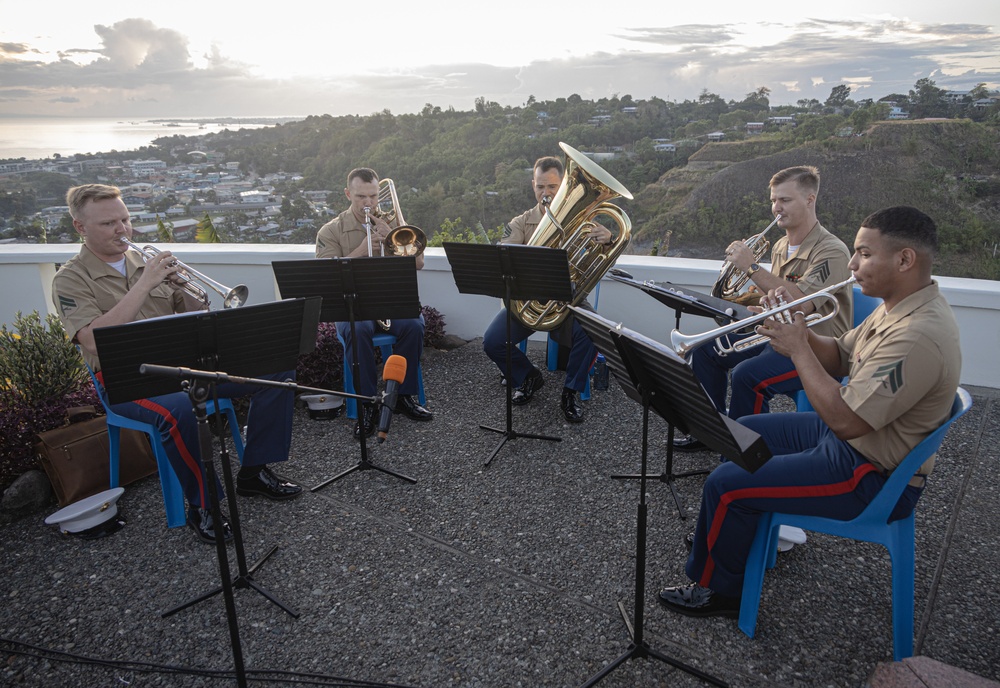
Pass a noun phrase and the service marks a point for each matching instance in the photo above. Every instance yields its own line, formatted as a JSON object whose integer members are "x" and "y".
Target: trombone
{"x": 685, "y": 344}
{"x": 232, "y": 297}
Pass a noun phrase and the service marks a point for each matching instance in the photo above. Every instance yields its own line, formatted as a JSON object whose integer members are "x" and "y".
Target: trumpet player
{"x": 806, "y": 259}
{"x": 546, "y": 178}
{"x": 348, "y": 236}
{"x": 903, "y": 364}
{"x": 107, "y": 284}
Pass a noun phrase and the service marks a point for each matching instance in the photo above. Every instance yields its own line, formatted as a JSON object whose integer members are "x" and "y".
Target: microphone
{"x": 392, "y": 373}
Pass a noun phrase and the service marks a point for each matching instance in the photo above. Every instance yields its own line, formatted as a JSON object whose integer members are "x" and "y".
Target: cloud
{"x": 140, "y": 69}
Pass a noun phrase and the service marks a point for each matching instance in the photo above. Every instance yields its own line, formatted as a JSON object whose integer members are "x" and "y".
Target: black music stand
{"x": 693, "y": 303}
{"x": 214, "y": 340}
{"x": 658, "y": 379}
{"x": 355, "y": 289}
{"x": 511, "y": 272}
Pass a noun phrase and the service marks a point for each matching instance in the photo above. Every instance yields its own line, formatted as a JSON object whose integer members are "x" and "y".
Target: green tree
{"x": 839, "y": 96}
{"x": 164, "y": 231}
{"x": 206, "y": 232}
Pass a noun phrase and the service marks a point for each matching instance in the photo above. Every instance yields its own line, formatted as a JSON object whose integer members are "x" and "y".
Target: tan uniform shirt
{"x": 86, "y": 288}
{"x": 344, "y": 233}
{"x": 819, "y": 262}
{"x": 904, "y": 372}
{"x": 520, "y": 229}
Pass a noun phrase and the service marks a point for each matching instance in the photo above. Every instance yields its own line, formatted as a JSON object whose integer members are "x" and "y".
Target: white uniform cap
{"x": 323, "y": 406}
{"x": 90, "y": 512}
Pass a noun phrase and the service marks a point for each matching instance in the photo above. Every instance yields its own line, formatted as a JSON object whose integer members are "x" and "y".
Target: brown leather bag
{"x": 76, "y": 456}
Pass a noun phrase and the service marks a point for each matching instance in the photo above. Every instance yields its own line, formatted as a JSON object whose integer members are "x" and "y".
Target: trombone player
{"x": 355, "y": 233}
{"x": 806, "y": 259}
{"x": 107, "y": 284}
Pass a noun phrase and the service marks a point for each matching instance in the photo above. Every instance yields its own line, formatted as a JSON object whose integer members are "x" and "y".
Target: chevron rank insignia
{"x": 822, "y": 271}
{"x": 506, "y": 230}
{"x": 66, "y": 305}
{"x": 891, "y": 374}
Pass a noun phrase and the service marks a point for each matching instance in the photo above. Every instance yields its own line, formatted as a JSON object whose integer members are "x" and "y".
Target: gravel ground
{"x": 507, "y": 575}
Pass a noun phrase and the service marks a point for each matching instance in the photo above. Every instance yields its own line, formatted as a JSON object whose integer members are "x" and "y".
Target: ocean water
{"x": 42, "y": 137}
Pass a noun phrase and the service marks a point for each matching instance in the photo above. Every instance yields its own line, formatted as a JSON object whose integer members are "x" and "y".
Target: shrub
{"x": 433, "y": 326}
{"x": 41, "y": 375}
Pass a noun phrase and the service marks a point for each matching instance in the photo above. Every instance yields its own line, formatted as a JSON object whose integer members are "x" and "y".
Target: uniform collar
{"x": 97, "y": 268}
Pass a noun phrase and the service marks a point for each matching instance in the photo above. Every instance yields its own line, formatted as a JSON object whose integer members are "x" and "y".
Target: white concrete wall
{"x": 26, "y": 276}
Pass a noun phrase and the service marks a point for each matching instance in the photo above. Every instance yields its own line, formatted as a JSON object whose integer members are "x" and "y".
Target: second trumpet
{"x": 685, "y": 344}
{"x": 233, "y": 297}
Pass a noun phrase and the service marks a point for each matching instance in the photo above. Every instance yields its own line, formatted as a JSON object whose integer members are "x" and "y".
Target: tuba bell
{"x": 585, "y": 193}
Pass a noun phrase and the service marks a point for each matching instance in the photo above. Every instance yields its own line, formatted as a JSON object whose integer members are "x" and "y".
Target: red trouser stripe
{"x": 787, "y": 492}
{"x": 182, "y": 449}
{"x": 758, "y": 402}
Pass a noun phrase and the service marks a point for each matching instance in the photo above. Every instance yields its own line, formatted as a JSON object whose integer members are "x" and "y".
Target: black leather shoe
{"x": 532, "y": 383}
{"x": 367, "y": 417}
{"x": 411, "y": 408}
{"x": 689, "y": 541}
{"x": 694, "y": 600}
{"x": 686, "y": 443}
{"x": 201, "y": 523}
{"x": 571, "y": 407}
{"x": 267, "y": 484}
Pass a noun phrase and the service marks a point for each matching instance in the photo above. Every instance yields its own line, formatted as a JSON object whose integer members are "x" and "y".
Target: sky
{"x": 297, "y": 58}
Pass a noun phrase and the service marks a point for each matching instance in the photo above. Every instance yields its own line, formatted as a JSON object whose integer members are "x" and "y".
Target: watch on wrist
{"x": 752, "y": 269}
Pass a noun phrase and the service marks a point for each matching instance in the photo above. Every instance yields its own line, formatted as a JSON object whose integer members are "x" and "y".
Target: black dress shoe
{"x": 532, "y": 383}
{"x": 689, "y": 541}
{"x": 694, "y": 600}
{"x": 267, "y": 484}
{"x": 411, "y": 408}
{"x": 202, "y": 524}
{"x": 571, "y": 407}
{"x": 366, "y": 417}
{"x": 686, "y": 443}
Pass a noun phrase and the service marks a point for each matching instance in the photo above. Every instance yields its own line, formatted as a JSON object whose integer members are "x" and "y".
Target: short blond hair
{"x": 79, "y": 196}
{"x": 806, "y": 176}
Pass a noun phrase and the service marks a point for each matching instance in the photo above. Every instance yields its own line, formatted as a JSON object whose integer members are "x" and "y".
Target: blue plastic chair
{"x": 170, "y": 485}
{"x": 863, "y": 307}
{"x": 385, "y": 342}
{"x": 871, "y": 525}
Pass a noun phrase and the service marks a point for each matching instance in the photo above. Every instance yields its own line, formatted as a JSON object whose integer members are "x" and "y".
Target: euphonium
{"x": 232, "y": 298}
{"x": 685, "y": 344}
{"x": 731, "y": 279}
{"x": 585, "y": 193}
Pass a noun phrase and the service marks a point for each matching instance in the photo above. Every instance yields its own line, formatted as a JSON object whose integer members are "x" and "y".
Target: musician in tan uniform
{"x": 108, "y": 284}
{"x": 904, "y": 363}
{"x": 803, "y": 261}
{"x": 346, "y": 236}
{"x": 547, "y": 175}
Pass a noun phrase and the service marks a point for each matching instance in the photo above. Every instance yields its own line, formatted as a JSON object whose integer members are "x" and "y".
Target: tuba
{"x": 585, "y": 193}
{"x": 731, "y": 279}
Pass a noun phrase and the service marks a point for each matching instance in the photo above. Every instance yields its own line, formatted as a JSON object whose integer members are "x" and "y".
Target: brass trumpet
{"x": 731, "y": 279}
{"x": 685, "y": 344}
{"x": 232, "y": 297}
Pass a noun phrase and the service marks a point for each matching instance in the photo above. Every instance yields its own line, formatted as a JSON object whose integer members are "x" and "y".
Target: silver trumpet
{"x": 232, "y": 297}
{"x": 684, "y": 344}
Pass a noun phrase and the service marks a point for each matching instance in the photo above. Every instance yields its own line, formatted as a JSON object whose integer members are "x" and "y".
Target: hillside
{"x": 946, "y": 168}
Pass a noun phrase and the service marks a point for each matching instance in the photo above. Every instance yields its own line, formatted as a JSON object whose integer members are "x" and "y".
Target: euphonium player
{"x": 107, "y": 284}
{"x": 903, "y": 364}
{"x": 347, "y": 236}
{"x": 547, "y": 176}
{"x": 806, "y": 259}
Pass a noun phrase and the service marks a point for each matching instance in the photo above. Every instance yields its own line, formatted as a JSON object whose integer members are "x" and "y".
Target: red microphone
{"x": 393, "y": 374}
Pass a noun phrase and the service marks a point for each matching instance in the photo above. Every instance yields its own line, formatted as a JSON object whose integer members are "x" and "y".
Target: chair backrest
{"x": 863, "y": 305}
{"x": 881, "y": 507}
